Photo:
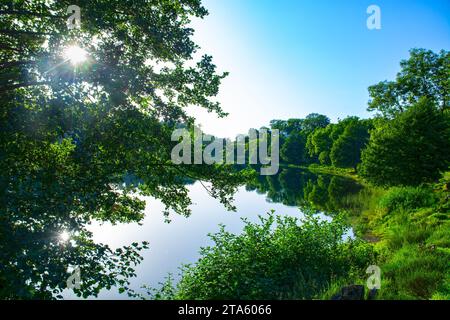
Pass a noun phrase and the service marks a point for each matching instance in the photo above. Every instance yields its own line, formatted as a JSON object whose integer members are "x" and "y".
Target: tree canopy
{"x": 410, "y": 149}
{"x": 346, "y": 150}
{"x": 424, "y": 74}
{"x": 72, "y": 134}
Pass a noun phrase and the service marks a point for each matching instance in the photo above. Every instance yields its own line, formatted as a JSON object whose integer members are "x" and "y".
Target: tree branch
{"x": 29, "y": 13}
{"x": 16, "y": 63}
{"x": 23, "y": 85}
{"x": 21, "y": 32}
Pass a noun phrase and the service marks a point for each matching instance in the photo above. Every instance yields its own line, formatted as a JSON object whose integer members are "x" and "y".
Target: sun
{"x": 64, "y": 236}
{"x": 75, "y": 55}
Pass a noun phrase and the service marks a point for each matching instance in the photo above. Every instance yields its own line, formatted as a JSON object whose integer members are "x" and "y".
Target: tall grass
{"x": 415, "y": 246}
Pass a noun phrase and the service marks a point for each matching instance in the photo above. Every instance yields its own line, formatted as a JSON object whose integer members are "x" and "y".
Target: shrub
{"x": 407, "y": 198}
{"x": 278, "y": 258}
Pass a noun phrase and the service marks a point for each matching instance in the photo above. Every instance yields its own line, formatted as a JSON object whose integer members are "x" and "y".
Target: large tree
{"x": 319, "y": 144}
{"x": 294, "y": 149}
{"x": 424, "y": 74}
{"x": 314, "y": 121}
{"x": 346, "y": 149}
{"x": 410, "y": 149}
{"x": 72, "y": 134}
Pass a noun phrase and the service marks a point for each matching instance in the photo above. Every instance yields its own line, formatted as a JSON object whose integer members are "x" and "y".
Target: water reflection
{"x": 307, "y": 190}
{"x": 37, "y": 250}
{"x": 179, "y": 242}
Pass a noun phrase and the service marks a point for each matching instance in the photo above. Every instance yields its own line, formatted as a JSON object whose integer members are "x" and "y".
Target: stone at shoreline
{"x": 353, "y": 292}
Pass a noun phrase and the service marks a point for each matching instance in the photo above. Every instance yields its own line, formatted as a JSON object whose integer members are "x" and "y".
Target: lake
{"x": 290, "y": 192}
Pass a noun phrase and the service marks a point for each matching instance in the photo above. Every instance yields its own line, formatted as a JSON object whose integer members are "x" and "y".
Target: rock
{"x": 353, "y": 292}
{"x": 372, "y": 294}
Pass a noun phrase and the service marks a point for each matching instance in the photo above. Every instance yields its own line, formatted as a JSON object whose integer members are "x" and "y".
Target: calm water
{"x": 178, "y": 242}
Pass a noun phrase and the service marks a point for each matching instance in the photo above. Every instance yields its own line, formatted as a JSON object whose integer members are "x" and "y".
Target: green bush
{"x": 410, "y": 149}
{"x": 407, "y": 198}
{"x": 278, "y": 258}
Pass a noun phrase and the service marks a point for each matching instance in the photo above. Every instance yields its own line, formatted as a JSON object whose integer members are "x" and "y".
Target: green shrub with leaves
{"x": 411, "y": 149}
{"x": 409, "y": 198}
{"x": 277, "y": 258}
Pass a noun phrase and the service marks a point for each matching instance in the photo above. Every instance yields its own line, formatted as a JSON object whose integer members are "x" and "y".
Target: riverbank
{"x": 409, "y": 228}
{"x": 330, "y": 170}
{"x": 402, "y": 230}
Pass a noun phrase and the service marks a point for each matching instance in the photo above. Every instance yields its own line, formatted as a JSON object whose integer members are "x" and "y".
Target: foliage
{"x": 339, "y": 144}
{"x": 409, "y": 227}
{"x": 312, "y": 122}
{"x": 346, "y": 150}
{"x": 410, "y": 198}
{"x": 83, "y": 143}
{"x": 71, "y": 135}
{"x": 410, "y": 149}
{"x": 279, "y": 257}
{"x": 412, "y": 226}
{"x": 293, "y": 149}
{"x": 315, "y": 121}
{"x": 424, "y": 74}
{"x": 294, "y": 135}
{"x": 320, "y": 143}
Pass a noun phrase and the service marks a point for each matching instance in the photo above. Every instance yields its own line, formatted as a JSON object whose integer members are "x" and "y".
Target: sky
{"x": 290, "y": 58}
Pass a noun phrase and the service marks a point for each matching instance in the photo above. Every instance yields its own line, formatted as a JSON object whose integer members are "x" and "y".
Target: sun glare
{"x": 75, "y": 55}
{"x": 64, "y": 236}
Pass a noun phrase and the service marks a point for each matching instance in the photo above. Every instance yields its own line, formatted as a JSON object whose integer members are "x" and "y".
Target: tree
{"x": 294, "y": 134}
{"x": 424, "y": 74}
{"x": 346, "y": 150}
{"x": 410, "y": 149}
{"x": 315, "y": 121}
{"x": 309, "y": 124}
{"x": 71, "y": 134}
{"x": 294, "y": 149}
{"x": 319, "y": 144}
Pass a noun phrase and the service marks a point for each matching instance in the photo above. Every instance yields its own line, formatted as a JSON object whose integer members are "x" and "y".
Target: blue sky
{"x": 289, "y": 58}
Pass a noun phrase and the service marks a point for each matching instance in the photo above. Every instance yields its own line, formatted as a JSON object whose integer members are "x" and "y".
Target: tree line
{"x": 407, "y": 142}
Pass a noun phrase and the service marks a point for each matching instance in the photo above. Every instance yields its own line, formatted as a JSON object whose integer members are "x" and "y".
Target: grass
{"x": 410, "y": 231}
{"x": 414, "y": 246}
{"x": 342, "y": 172}
{"x": 414, "y": 272}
